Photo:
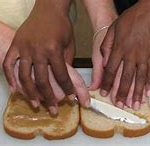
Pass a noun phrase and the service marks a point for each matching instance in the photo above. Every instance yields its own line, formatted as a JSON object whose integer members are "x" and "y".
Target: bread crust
{"x": 32, "y": 135}
{"x": 16, "y": 134}
{"x": 97, "y": 133}
{"x": 136, "y": 133}
{"x": 66, "y": 135}
{"x": 110, "y": 133}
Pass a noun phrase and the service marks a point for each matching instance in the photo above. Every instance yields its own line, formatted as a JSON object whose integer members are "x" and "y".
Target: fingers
{"x": 116, "y": 84}
{"x": 27, "y": 83}
{"x": 80, "y": 87}
{"x": 97, "y": 59}
{"x": 97, "y": 71}
{"x": 8, "y": 66}
{"x": 107, "y": 44}
{"x": 61, "y": 75}
{"x": 110, "y": 72}
{"x": 133, "y": 91}
{"x": 139, "y": 85}
{"x": 43, "y": 85}
{"x": 58, "y": 92}
{"x": 130, "y": 94}
{"x": 70, "y": 52}
{"x": 125, "y": 83}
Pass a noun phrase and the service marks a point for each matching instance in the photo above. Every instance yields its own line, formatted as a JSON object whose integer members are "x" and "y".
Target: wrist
{"x": 101, "y": 12}
{"x": 103, "y": 19}
{"x": 49, "y": 6}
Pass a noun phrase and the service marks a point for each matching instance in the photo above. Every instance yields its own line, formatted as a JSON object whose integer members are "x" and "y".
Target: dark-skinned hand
{"x": 127, "y": 41}
{"x": 42, "y": 42}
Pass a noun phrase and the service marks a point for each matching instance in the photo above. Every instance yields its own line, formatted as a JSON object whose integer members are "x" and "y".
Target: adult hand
{"x": 102, "y": 13}
{"x": 97, "y": 59}
{"x": 40, "y": 42}
{"x": 128, "y": 38}
{"x": 6, "y": 37}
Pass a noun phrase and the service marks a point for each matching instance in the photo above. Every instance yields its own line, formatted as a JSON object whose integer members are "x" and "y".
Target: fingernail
{"x": 103, "y": 93}
{"x": 87, "y": 103}
{"x": 148, "y": 93}
{"x": 34, "y": 103}
{"x": 53, "y": 110}
{"x": 120, "y": 104}
{"x": 72, "y": 97}
{"x": 136, "y": 105}
{"x": 129, "y": 103}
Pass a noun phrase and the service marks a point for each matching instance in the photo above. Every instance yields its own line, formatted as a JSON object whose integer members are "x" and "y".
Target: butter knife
{"x": 115, "y": 113}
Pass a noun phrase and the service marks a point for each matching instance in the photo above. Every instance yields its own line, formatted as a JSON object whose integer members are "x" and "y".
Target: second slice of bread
{"x": 21, "y": 121}
{"x": 97, "y": 125}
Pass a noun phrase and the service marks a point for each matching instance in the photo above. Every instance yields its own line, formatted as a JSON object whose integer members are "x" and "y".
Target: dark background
{"x": 121, "y": 5}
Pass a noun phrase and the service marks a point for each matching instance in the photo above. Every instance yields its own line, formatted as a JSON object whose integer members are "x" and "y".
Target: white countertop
{"x": 79, "y": 139}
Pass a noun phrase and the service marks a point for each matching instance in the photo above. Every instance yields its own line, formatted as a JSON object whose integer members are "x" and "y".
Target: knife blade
{"x": 115, "y": 113}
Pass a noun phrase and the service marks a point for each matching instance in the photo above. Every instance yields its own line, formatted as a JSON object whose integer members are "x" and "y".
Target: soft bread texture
{"x": 96, "y": 125}
{"x": 21, "y": 121}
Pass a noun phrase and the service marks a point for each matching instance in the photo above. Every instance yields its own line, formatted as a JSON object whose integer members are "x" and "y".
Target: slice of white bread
{"x": 21, "y": 121}
{"x": 97, "y": 125}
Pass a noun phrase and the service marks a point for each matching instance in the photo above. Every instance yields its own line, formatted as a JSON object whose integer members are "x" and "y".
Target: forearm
{"x": 100, "y": 12}
{"x": 47, "y": 6}
{"x": 6, "y": 37}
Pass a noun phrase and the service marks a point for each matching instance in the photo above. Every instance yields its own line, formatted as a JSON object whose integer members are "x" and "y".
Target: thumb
{"x": 97, "y": 60}
{"x": 80, "y": 86}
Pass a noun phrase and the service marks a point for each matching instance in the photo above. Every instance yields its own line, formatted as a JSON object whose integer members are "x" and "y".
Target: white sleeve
{"x": 14, "y": 12}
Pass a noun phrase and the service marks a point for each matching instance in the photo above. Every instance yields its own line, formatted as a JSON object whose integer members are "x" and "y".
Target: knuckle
{"x": 50, "y": 101}
{"x": 141, "y": 78}
{"x": 137, "y": 97}
{"x": 109, "y": 71}
{"x": 66, "y": 84}
{"x": 108, "y": 78}
{"x": 53, "y": 48}
{"x": 138, "y": 92}
{"x": 126, "y": 77}
{"x": 106, "y": 84}
{"x": 23, "y": 78}
{"x": 126, "y": 80}
{"x": 64, "y": 80}
{"x": 41, "y": 83}
{"x": 123, "y": 92}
